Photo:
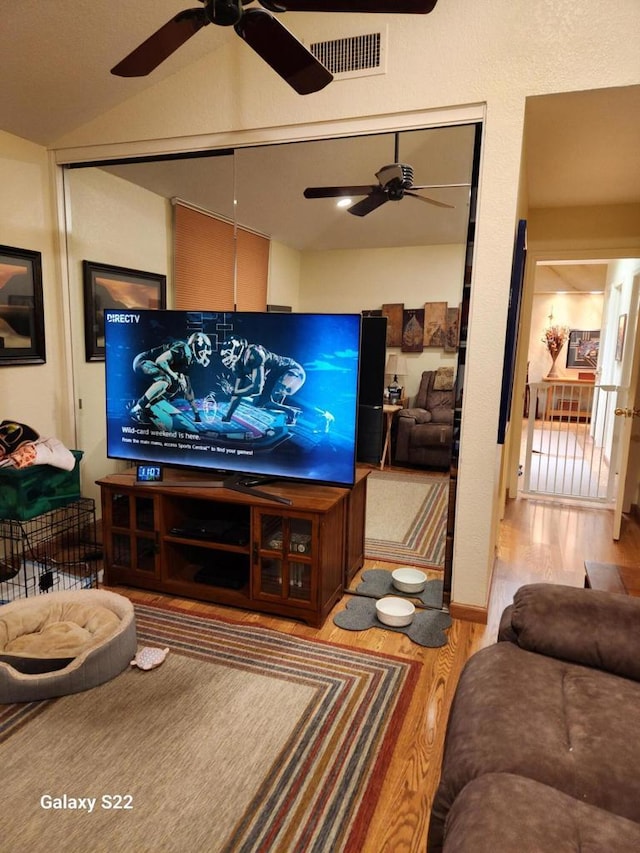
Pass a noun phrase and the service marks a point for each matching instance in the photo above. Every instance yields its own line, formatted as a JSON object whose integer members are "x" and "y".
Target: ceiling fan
{"x": 261, "y": 31}
{"x": 395, "y": 181}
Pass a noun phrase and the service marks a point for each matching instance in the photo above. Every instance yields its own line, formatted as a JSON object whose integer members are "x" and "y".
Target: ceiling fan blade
{"x": 337, "y": 192}
{"x": 428, "y": 200}
{"x": 404, "y": 7}
{"x": 437, "y": 186}
{"x": 370, "y": 203}
{"x": 148, "y": 55}
{"x": 282, "y": 51}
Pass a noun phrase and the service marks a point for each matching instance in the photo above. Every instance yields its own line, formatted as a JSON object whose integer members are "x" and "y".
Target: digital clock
{"x": 149, "y": 474}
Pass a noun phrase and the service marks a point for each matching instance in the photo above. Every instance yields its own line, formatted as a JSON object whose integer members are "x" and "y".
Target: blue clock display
{"x": 149, "y": 474}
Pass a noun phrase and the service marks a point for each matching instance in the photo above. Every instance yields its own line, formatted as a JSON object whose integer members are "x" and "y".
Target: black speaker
{"x": 370, "y": 434}
{"x": 373, "y": 356}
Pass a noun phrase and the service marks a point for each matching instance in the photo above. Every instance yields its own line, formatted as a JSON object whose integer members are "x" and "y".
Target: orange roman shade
{"x": 208, "y": 276}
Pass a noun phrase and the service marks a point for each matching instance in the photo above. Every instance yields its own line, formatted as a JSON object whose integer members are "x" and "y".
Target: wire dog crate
{"x": 54, "y": 551}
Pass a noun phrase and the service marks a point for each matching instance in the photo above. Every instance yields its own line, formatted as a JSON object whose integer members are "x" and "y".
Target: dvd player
{"x": 213, "y": 530}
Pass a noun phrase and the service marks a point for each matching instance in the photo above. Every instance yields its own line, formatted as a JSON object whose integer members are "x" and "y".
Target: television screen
{"x": 271, "y": 394}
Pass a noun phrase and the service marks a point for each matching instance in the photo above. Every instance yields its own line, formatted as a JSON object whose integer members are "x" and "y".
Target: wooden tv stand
{"x": 219, "y": 545}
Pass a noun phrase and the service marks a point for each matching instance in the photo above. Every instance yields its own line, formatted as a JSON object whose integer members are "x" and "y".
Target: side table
{"x": 389, "y": 411}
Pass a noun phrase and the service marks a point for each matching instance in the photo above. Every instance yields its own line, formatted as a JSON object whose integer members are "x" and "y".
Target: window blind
{"x": 210, "y": 274}
{"x": 252, "y": 271}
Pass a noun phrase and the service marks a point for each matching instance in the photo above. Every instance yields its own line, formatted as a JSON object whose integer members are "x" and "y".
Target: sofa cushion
{"x": 439, "y": 400}
{"x": 503, "y": 812}
{"x": 599, "y": 629}
{"x": 48, "y": 627}
{"x": 565, "y": 725}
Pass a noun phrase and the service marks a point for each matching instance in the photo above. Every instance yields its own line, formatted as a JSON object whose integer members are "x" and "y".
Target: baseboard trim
{"x": 469, "y": 613}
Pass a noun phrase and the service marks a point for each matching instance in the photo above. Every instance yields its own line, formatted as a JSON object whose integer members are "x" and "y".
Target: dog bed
{"x": 63, "y": 642}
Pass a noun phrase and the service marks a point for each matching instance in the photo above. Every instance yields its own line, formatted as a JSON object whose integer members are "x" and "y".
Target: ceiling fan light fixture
{"x": 395, "y": 182}
{"x": 344, "y": 202}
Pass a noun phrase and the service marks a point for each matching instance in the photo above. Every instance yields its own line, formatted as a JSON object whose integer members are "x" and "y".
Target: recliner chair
{"x": 424, "y": 432}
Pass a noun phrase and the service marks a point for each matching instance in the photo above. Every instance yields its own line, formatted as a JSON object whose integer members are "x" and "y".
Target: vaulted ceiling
{"x": 581, "y": 147}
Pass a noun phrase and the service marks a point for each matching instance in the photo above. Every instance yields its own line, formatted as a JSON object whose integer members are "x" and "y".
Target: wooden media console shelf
{"x": 232, "y": 548}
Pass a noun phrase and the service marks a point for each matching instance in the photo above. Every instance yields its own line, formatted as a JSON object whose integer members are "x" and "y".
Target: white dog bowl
{"x": 409, "y": 580}
{"x": 396, "y": 612}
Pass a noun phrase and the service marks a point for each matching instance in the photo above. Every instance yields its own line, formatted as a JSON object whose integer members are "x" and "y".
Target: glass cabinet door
{"x": 284, "y": 557}
{"x": 133, "y": 543}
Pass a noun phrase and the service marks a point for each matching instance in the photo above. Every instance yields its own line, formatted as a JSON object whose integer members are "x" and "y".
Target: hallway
{"x": 546, "y": 540}
{"x": 559, "y": 455}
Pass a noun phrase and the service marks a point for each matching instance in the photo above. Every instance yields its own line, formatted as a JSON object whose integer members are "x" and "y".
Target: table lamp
{"x": 396, "y": 365}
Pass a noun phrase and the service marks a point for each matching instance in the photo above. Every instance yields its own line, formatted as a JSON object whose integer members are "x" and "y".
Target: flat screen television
{"x": 261, "y": 395}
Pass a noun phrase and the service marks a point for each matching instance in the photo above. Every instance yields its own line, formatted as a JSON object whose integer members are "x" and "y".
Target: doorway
{"x": 571, "y": 445}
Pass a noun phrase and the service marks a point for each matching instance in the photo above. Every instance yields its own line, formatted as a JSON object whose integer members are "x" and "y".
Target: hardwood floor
{"x": 539, "y": 541}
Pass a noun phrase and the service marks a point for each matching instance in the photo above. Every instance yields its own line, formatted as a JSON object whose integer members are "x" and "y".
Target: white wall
{"x": 111, "y": 222}
{"x": 35, "y": 394}
{"x": 357, "y": 280}
{"x": 575, "y": 310}
{"x": 494, "y": 54}
{"x": 284, "y": 276}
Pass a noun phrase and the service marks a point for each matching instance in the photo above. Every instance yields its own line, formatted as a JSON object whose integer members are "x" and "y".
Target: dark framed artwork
{"x": 622, "y": 329}
{"x": 583, "y": 348}
{"x": 412, "y": 330}
{"x": 452, "y": 330}
{"x": 393, "y": 313}
{"x": 435, "y": 324}
{"x": 21, "y": 307}
{"x": 107, "y": 286}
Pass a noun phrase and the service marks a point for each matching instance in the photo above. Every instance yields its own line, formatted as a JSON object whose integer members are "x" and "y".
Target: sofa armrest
{"x": 418, "y": 416}
{"x": 403, "y": 437}
{"x": 406, "y": 421}
{"x": 505, "y": 629}
{"x": 584, "y": 626}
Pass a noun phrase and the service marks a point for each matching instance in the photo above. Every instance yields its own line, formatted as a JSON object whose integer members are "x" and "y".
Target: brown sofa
{"x": 423, "y": 432}
{"x": 542, "y": 753}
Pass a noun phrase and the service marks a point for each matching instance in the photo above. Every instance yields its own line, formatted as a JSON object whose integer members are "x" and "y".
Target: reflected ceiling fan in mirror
{"x": 395, "y": 181}
{"x": 264, "y": 33}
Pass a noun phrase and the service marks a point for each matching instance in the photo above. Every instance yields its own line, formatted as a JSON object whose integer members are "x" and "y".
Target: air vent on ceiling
{"x": 353, "y": 56}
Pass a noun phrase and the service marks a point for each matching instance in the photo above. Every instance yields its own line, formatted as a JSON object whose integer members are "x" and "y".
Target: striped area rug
{"x": 406, "y": 518}
{"x": 244, "y": 739}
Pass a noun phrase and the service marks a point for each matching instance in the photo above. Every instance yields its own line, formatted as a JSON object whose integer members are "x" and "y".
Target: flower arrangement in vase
{"x": 554, "y": 338}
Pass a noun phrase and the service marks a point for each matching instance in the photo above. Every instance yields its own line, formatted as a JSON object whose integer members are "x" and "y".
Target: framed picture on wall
{"x": 115, "y": 287}
{"x": 583, "y": 348}
{"x": 393, "y": 313}
{"x": 435, "y": 324}
{"x": 453, "y": 330}
{"x": 21, "y": 307}
{"x": 413, "y": 330}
